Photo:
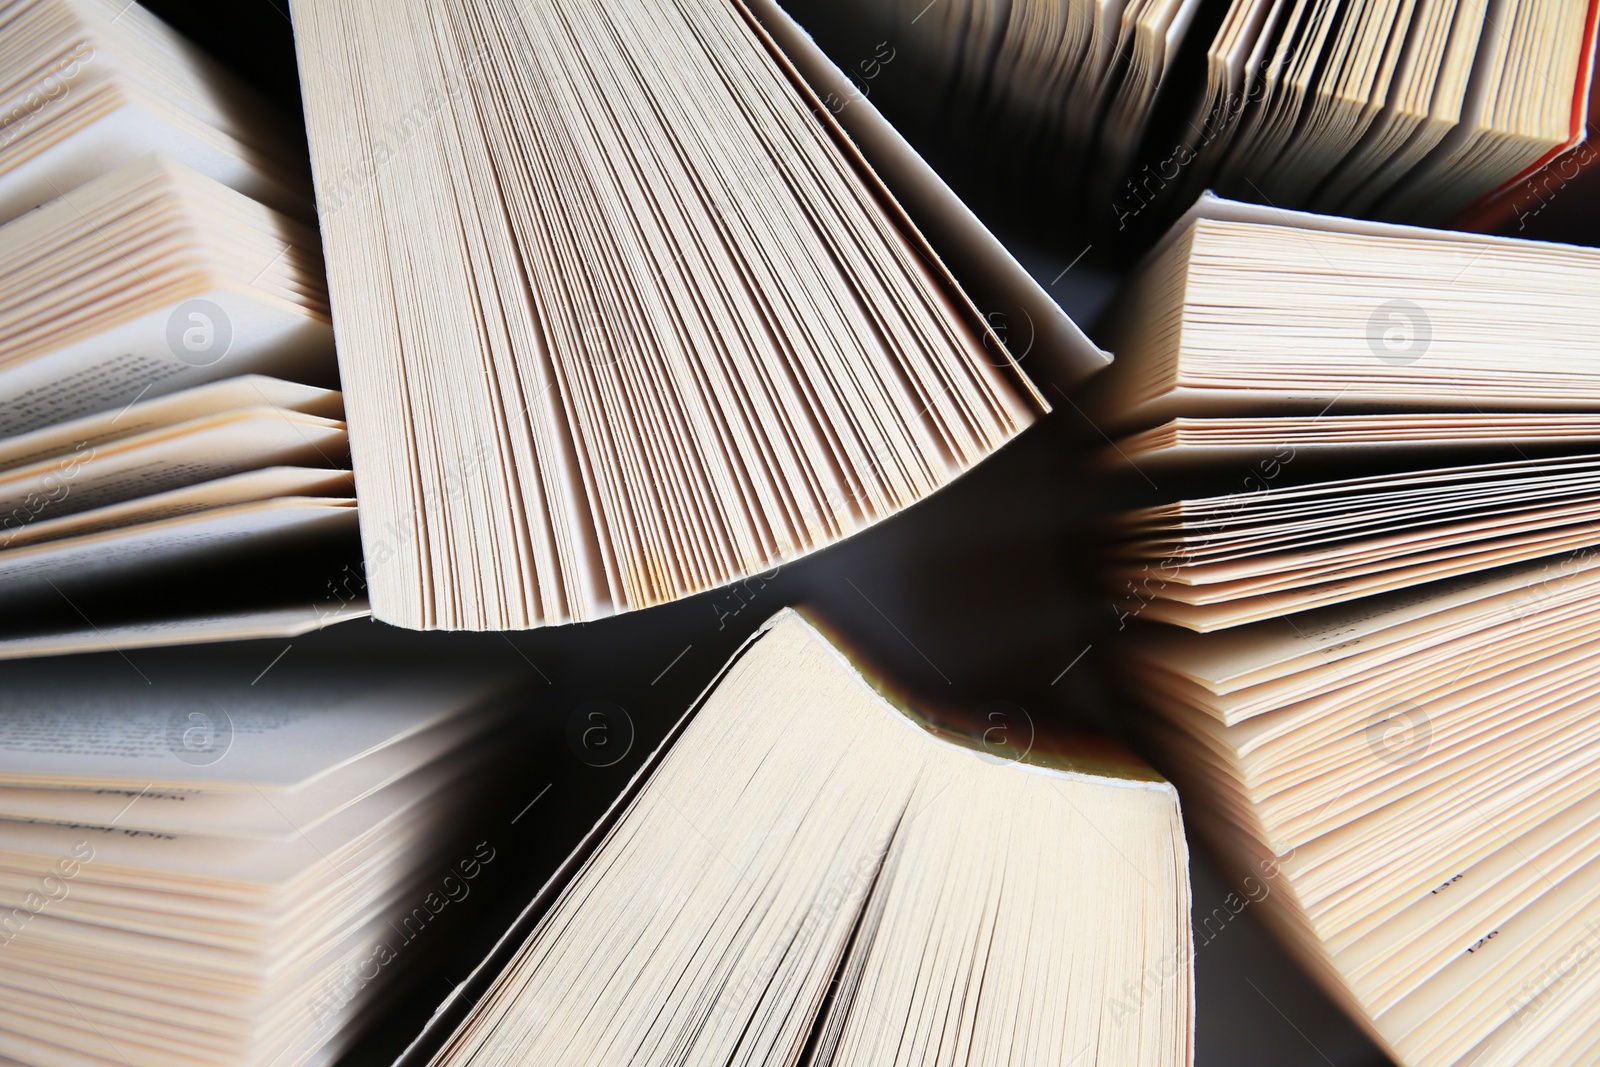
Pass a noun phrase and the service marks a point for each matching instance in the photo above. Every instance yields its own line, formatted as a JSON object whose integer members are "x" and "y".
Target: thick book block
{"x": 196, "y": 866}
{"x": 1416, "y": 776}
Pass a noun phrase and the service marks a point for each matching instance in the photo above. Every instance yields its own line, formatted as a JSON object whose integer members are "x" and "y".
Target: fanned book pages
{"x": 623, "y": 258}
{"x": 1412, "y": 111}
{"x": 87, "y": 85}
{"x": 198, "y": 869}
{"x": 1221, "y": 561}
{"x": 804, "y": 874}
{"x": 1190, "y": 443}
{"x": 1416, "y": 776}
{"x": 144, "y": 460}
{"x": 148, "y": 279}
{"x": 1247, "y": 316}
{"x": 173, "y": 460}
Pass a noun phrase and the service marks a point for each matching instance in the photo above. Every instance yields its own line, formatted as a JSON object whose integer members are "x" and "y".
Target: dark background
{"x": 984, "y": 592}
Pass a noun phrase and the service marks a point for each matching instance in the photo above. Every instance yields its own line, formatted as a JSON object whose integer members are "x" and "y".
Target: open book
{"x": 173, "y": 459}
{"x": 148, "y": 279}
{"x": 1221, "y": 561}
{"x": 147, "y": 446}
{"x": 802, "y": 872}
{"x": 1409, "y": 111}
{"x": 197, "y": 868}
{"x": 656, "y": 284}
{"x": 1250, "y": 332}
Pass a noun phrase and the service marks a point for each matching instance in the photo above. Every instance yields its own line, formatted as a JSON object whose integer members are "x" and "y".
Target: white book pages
{"x": 1252, "y": 312}
{"x": 213, "y": 732}
{"x": 139, "y": 414}
{"x": 727, "y": 353}
{"x": 229, "y": 532}
{"x": 251, "y": 486}
{"x": 252, "y": 815}
{"x": 92, "y": 84}
{"x": 1062, "y": 354}
{"x": 201, "y": 450}
{"x": 1191, "y": 444}
{"x": 148, "y": 280}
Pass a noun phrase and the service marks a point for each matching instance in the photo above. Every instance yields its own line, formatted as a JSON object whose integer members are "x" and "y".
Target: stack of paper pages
{"x": 1190, "y": 443}
{"x": 1416, "y": 779}
{"x": 1396, "y": 731}
{"x": 1245, "y": 317}
{"x": 223, "y": 477}
{"x": 208, "y": 870}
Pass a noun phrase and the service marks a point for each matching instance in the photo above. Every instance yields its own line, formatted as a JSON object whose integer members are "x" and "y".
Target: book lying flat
{"x": 88, "y": 85}
{"x": 185, "y": 861}
{"x": 628, "y": 257}
{"x": 1251, "y": 555}
{"x": 1252, "y": 311}
{"x": 802, "y": 872}
{"x": 1417, "y": 774}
